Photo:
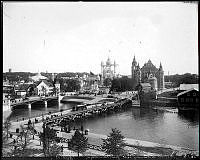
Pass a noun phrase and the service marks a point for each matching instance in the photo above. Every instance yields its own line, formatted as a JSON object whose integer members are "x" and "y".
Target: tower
{"x": 57, "y": 86}
{"x": 133, "y": 67}
{"x": 153, "y": 81}
{"x": 115, "y": 68}
{"x": 160, "y": 77}
{"x": 107, "y": 70}
{"x": 136, "y": 73}
{"x": 52, "y": 76}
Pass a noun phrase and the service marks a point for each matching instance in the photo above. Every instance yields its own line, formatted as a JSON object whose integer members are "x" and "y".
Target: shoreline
{"x": 133, "y": 143}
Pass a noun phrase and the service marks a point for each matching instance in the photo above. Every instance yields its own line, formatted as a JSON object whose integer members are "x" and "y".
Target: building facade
{"x": 147, "y": 74}
{"x": 108, "y": 70}
{"x": 188, "y": 99}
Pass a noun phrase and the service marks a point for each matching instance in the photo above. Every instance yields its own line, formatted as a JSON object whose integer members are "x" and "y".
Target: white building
{"x": 44, "y": 88}
{"x": 108, "y": 70}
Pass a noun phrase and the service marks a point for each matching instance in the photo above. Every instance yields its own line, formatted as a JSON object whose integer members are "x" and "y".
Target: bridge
{"x": 88, "y": 111}
{"x": 8, "y": 104}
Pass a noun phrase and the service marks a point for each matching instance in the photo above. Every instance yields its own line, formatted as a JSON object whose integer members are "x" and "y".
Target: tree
{"x": 122, "y": 84}
{"x": 78, "y": 143}
{"x": 25, "y": 137}
{"x": 47, "y": 137}
{"x": 114, "y": 144}
{"x": 69, "y": 85}
{"x": 54, "y": 150}
{"x": 107, "y": 82}
{"x": 6, "y": 127}
{"x": 6, "y": 143}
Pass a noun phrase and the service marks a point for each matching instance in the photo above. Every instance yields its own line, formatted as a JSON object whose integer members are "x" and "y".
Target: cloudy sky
{"x": 77, "y": 36}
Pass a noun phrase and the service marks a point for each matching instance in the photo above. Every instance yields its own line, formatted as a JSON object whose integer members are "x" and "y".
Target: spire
{"x": 134, "y": 61}
{"x": 160, "y": 68}
{"x": 149, "y": 61}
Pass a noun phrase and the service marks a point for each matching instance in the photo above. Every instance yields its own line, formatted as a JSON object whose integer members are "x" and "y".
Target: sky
{"x": 77, "y": 36}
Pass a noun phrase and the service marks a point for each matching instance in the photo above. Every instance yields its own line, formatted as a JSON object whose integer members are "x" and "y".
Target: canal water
{"x": 138, "y": 123}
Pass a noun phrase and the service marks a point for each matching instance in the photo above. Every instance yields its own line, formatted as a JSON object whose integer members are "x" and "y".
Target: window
{"x": 197, "y": 100}
{"x": 187, "y": 99}
{"x": 191, "y": 99}
{"x": 182, "y": 99}
{"x": 194, "y": 94}
{"x": 188, "y": 94}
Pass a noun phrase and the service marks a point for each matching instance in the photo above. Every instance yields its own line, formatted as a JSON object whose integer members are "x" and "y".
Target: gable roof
{"x": 46, "y": 82}
{"x": 187, "y": 91}
{"x": 22, "y": 87}
{"x": 149, "y": 67}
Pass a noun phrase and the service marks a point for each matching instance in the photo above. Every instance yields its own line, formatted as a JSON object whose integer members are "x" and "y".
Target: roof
{"x": 149, "y": 66}
{"x": 189, "y": 86}
{"x": 22, "y": 87}
{"x": 37, "y": 77}
{"x": 46, "y": 82}
{"x": 187, "y": 91}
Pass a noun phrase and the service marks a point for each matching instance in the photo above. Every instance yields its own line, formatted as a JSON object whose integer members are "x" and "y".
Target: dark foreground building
{"x": 188, "y": 100}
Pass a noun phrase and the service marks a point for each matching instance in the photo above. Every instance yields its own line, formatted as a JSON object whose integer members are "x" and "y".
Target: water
{"x": 138, "y": 123}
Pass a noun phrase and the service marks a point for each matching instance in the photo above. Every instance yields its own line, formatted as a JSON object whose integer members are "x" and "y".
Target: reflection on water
{"x": 138, "y": 123}
{"x": 149, "y": 125}
{"x": 192, "y": 117}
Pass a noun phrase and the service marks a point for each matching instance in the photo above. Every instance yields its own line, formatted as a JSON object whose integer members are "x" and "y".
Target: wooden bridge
{"x": 88, "y": 112}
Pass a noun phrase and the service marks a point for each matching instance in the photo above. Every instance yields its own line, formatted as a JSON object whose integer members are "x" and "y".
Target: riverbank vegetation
{"x": 115, "y": 143}
{"x": 78, "y": 143}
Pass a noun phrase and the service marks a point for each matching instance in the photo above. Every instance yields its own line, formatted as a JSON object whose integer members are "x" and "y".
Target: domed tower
{"x": 108, "y": 62}
{"x": 160, "y": 78}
